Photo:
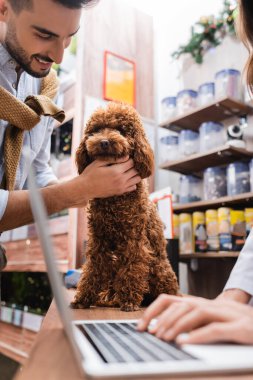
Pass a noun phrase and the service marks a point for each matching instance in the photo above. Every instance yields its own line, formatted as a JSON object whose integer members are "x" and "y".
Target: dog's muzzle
{"x": 104, "y": 144}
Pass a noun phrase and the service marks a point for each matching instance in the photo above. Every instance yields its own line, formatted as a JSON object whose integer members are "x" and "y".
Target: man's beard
{"x": 20, "y": 56}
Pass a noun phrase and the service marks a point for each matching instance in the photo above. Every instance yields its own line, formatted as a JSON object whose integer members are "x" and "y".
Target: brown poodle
{"x": 126, "y": 260}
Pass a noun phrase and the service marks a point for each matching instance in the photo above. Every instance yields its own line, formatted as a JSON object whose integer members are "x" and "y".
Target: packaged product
{"x": 238, "y": 229}
{"x": 185, "y": 233}
{"x": 238, "y": 178}
{"x": 176, "y": 226}
{"x": 227, "y": 84}
{"x": 186, "y": 101}
{"x": 169, "y": 107}
{"x": 199, "y": 231}
{"x": 224, "y": 229}
{"x": 212, "y": 230}
{"x": 248, "y": 219}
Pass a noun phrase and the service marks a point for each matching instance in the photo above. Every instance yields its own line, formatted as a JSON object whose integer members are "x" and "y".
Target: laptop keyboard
{"x": 122, "y": 343}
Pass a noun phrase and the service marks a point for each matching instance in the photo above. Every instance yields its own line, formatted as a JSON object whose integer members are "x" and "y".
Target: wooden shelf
{"x": 239, "y": 200}
{"x": 208, "y": 255}
{"x": 16, "y": 342}
{"x": 200, "y": 161}
{"x": 216, "y": 111}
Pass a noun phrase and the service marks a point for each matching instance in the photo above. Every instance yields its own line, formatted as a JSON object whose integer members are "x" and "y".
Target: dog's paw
{"x": 78, "y": 305}
{"x": 129, "y": 307}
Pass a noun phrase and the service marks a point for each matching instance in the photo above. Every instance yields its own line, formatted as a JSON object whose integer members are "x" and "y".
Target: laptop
{"x": 114, "y": 348}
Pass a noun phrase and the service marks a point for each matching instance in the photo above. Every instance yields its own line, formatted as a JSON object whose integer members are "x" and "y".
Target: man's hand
{"x": 102, "y": 179}
{"x": 205, "y": 321}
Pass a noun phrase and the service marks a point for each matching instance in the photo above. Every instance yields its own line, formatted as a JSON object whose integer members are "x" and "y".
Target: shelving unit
{"x": 196, "y": 163}
{"x": 209, "y": 273}
{"x": 208, "y": 255}
{"x": 240, "y": 200}
{"x": 216, "y": 111}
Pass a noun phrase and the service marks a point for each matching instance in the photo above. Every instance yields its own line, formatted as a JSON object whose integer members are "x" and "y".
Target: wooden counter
{"x": 52, "y": 359}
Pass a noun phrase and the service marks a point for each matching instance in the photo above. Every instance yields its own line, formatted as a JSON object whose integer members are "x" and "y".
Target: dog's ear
{"x": 143, "y": 155}
{"x": 82, "y": 157}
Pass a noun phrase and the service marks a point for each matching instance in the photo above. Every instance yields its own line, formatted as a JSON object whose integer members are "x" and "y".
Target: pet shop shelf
{"x": 196, "y": 163}
{"x": 240, "y": 200}
{"x": 217, "y": 111}
{"x": 208, "y": 255}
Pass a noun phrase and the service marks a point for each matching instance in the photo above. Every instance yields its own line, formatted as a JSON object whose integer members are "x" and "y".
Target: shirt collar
{"x": 4, "y": 56}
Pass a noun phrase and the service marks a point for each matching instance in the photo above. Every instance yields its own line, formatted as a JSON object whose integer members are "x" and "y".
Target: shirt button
{"x": 14, "y": 86}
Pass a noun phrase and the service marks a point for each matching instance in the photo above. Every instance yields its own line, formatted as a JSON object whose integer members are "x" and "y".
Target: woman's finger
{"x": 164, "y": 328}
{"x": 214, "y": 332}
{"x": 155, "y": 309}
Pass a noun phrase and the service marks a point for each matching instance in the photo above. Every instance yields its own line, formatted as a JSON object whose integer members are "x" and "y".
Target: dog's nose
{"x": 104, "y": 144}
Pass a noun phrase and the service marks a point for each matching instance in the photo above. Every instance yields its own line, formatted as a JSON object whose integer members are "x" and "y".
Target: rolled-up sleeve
{"x": 4, "y": 195}
{"x": 241, "y": 276}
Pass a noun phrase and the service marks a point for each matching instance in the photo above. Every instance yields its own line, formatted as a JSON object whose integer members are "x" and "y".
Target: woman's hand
{"x": 205, "y": 321}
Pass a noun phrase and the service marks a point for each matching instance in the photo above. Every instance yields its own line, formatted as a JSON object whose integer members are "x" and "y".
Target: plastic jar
{"x": 190, "y": 189}
{"x": 238, "y": 180}
{"x": 212, "y": 230}
{"x": 186, "y": 101}
{"x": 169, "y": 148}
{"x": 224, "y": 229}
{"x": 238, "y": 229}
{"x": 169, "y": 107}
{"x": 199, "y": 231}
{"x": 248, "y": 212}
{"x": 185, "y": 233}
{"x": 188, "y": 142}
{"x": 211, "y": 134}
{"x": 227, "y": 84}
{"x": 206, "y": 92}
{"x": 176, "y": 226}
{"x": 251, "y": 174}
{"x": 215, "y": 183}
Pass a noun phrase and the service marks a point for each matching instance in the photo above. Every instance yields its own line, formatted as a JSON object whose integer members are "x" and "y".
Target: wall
{"x": 114, "y": 26}
{"x": 111, "y": 26}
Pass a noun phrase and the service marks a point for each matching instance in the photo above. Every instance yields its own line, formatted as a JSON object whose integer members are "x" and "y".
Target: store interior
{"x": 185, "y": 79}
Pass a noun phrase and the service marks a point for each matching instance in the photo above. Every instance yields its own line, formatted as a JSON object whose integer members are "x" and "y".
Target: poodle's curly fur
{"x": 126, "y": 260}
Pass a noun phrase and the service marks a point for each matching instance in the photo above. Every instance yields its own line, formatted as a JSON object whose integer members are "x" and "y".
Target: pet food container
{"x": 206, "y": 93}
{"x": 176, "y": 226}
{"x": 210, "y": 135}
{"x": 199, "y": 231}
{"x": 188, "y": 142}
{"x": 215, "y": 183}
{"x": 190, "y": 189}
{"x": 238, "y": 229}
{"x": 185, "y": 233}
{"x": 169, "y": 107}
{"x": 169, "y": 148}
{"x": 186, "y": 101}
{"x": 224, "y": 229}
{"x": 238, "y": 178}
{"x": 227, "y": 84}
{"x": 248, "y": 212}
{"x": 251, "y": 174}
{"x": 212, "y": 230}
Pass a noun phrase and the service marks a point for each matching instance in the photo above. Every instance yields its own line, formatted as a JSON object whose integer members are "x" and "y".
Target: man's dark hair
{"x": 19, "y": 5}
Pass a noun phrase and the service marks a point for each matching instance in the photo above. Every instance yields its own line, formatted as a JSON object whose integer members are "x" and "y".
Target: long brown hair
{"x": 244, "y": 28}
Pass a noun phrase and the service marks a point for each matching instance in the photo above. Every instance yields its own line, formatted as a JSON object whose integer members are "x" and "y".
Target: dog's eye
{"x": 122, "y": 131}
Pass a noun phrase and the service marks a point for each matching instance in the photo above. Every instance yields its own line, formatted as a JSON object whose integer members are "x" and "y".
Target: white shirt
{"x": 37, "y": 140}
{"x": 241, "y": 276}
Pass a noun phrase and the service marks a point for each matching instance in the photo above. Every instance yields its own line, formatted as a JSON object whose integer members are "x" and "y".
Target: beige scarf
{"x": 23, "y": 117}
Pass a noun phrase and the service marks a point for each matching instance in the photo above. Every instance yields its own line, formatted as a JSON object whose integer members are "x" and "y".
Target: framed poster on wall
{"x": 119, "y": 78}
